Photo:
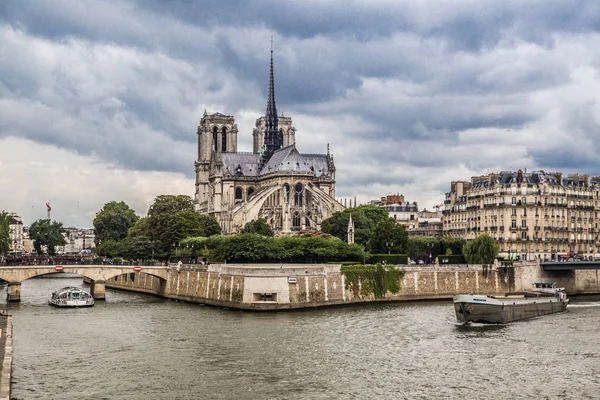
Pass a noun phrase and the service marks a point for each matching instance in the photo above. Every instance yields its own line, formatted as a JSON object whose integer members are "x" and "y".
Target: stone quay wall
{"x": 6, "y": 355}
{"x": 276, "y": 287}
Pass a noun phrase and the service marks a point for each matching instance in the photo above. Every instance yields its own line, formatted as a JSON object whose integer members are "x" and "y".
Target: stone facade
{"x": 290, "y": 190}
{"x": 531, "y": 215}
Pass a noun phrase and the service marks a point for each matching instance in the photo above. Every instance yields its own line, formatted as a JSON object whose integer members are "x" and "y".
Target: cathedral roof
{"x": 289, "y": 159}
{"x": 245, "y": 164}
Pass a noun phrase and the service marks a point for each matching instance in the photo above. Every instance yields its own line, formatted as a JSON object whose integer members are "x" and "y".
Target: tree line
{"x": 172, "y": 226}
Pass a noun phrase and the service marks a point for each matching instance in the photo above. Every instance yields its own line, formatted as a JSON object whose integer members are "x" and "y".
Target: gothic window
{"x": 239, "y": 193}
{"x": 298, "y": 194}
{"x": 296, "y": 220}
{"x": 250, "y": 192}
{"x": 224, "y": 140}
{"x": 280, "y": 137}
{"x": 215, "y": 136}
{"x": 307, "y": 223}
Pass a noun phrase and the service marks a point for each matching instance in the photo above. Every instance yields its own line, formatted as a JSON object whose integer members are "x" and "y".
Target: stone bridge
{"x": 97, "y": 274}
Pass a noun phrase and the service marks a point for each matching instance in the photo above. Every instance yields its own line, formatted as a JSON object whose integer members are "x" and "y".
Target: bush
{"x": 452, "y": 259}
{"x": 390, "y": 259}
{"x": 246, "y": 248}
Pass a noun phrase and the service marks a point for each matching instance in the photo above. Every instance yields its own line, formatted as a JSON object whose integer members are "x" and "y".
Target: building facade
{"x": 403, "y": 212}
{"x": 530, "y": 214}
{"x": 290, "y": 190}
{"x": 78, "y": 241}
{"x": 429, "y": 223}
{"x": 16, "y": 232}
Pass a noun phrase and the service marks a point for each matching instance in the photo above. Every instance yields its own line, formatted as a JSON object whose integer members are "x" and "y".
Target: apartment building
{"x": 401, "y": 211}
{"x": 429, "y": 223}
{"x": 531, "y": 215}
{"x": 15, "y": 232}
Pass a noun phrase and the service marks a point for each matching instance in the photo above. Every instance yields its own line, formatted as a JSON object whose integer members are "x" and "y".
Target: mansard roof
{"x": 507, "y": 178}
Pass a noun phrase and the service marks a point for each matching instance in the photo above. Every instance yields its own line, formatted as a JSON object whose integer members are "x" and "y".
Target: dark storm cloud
{"x": 127, "y": 81}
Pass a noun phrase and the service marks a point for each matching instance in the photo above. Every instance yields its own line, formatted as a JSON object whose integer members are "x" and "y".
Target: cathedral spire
{"x": 272, "y": 141}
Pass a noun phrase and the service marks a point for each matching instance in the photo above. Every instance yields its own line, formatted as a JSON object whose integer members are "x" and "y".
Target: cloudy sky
{"x": 100, "y": 100}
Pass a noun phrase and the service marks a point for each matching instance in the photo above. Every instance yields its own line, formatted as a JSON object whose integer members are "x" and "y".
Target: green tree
{"x": 252, "y": 247}
{"x": 259, "y": 226}
{"x": 140, "y": 228}
{"x": 481, "y": 250}
{"x": 113, "y": 221}
{"x": 170, "y": 204}
{"x": 388, "y": 237}
{"x": 47, "y": 233}
{"x": 452, "y": 243}
{"x": 110, "y": 248}
{"x": 365, "y": 219}
{"x": 170, "y": 220}
{"x": 141, "y": 247}
{"x": 4, "y": 232}
{"x": 373, "y": 213}
{"x": 420, "y": 247}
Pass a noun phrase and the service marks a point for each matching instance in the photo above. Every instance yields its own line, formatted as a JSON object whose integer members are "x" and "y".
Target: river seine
{"x": 135, "y": 346}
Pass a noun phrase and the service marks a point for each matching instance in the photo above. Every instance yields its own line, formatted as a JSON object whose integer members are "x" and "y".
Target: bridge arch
{"x": 97, "y": 275}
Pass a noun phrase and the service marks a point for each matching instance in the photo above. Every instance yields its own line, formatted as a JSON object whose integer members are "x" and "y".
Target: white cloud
{"x": 76, "y": 187}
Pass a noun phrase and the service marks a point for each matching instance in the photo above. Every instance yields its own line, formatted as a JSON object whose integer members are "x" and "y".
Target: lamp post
{"x": 389, "y": 246}
{"x": 430, "y": 246}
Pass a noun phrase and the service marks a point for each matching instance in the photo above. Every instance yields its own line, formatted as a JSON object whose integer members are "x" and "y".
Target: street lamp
{"x": 430, "y": 246}
{"x": 389, "y": 246}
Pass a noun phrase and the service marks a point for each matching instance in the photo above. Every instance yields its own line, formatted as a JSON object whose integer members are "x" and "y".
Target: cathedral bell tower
{"x": 217, "y": 134}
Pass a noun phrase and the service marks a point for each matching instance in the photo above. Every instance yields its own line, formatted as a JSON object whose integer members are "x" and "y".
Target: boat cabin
{"x": 543, "y": 285}
{"x": 71, "y": 297}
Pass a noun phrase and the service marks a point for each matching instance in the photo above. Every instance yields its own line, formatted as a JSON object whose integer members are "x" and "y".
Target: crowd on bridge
{"x": 71, "y": 259}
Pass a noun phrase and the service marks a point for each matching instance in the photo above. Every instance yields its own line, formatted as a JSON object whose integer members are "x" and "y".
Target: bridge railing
{"x": 55, "y": 261}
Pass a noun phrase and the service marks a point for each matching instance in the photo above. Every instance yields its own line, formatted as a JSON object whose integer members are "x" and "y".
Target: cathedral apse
{"x": 290, "y": 190}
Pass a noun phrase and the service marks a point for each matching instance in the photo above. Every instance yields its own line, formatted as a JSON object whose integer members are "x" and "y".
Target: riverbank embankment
{"x": 6, "y": 353}
{"x": 292, "y": 286}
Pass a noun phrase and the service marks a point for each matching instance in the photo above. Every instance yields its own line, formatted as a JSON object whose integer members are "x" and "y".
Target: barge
{"x": 544, "y": 298}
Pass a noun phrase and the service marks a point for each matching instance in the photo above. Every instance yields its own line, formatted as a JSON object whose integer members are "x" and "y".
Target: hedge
{"x": 390, "y": 259}
{"x": 453, "y": 259}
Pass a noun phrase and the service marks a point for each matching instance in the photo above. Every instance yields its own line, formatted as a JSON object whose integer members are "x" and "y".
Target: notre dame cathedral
{"x": 290, "y": 190}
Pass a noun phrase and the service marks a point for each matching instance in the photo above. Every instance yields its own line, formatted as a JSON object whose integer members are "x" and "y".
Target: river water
{"x": 135, "y": 346}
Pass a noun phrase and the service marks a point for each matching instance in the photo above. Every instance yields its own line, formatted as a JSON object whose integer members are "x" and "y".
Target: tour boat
{"x": 544, "y": 298}
{"x": 71, "y": 297}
